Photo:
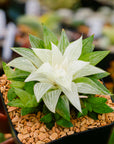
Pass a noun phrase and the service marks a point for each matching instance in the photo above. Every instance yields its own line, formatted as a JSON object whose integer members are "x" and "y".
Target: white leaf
{"x": 44, "y": 74}
{"x": 56, "y": 55}
{"x": 76, "y": 66}
{"x": 51, "y": 98}
{"x": 74, "y": 49}
{"x": 45, "y": 55}
{"x": 64, "y": 81}
{"x": 40, "y": 89}
{"x": 87, "y": 88}
{"x": 22, "y": 64}
{"x": 28, "y": 54}
{"x": 88, "y": 70}
{"x": 73, "y": 96}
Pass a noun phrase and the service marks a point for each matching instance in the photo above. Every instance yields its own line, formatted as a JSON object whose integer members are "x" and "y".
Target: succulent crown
{"x": 61, "y": 72}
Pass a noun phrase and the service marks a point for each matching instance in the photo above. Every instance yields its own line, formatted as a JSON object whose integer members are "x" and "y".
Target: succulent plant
{"x": 57, "y": 73}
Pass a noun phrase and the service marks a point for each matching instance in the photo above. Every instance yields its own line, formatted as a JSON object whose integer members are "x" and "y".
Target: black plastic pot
{"x": 99, "y": 135}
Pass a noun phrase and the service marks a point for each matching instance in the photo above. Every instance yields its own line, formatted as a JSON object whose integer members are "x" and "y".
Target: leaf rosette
{"x": 61, "y": 71}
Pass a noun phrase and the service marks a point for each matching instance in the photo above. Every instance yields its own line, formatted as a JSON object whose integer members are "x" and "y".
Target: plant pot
{"x": 96, "y": 135}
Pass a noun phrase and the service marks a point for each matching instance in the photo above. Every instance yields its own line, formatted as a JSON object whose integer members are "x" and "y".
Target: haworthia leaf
{"x": 62, "y": 107}
{"x": 104, "y": 108}
{"x": 87, "y": 45}
{"x": 22, "y": 64}
{"x": 94, "y": 57}
{"x": 14, "y": 74}
{"x": 40, "y": 89}
{"x": 45, "y": 55}
{"x": 73, "y": 96}
{"x": 57, "y": 57}
{"x": 26, "y": 110}
{"x": 64, "y": 123}
{"x": 43, "y": 74}
{"x": 29, "y": 87}
{"x": 96, "y": 100}
{"x": 50, "y": 125}
{"x": 100, "y": 75}
{"x": 17, "y": 84}
{"x": 63, "y": 42}
{"x": 45, "y": 109}
{"x": 36, "y": 42}
{"x": 84, "y": 113}
{"x": 100, "y": 85}
{"x": 88, "y": 86}
{"x": 23, "y": 95}
{"x": 99, "y": 105}
{"x": 47, "y": 118}
{"x": 7, "y": 70}
{"x": 49, "y": 37}
{"x": 51, "y": 98}
{"x": 16, "y": 103}
{"x": 77, "y": 66}
{"x": 93, "y": 115}
{"x": 11, "y": 94}
{"x": 73, "y": 51}
{"x": 19, "y": 74}
{"x": 89, "y": 107}
{"x": 31, "y": 103}
{"x": 28, "y": 54}
{"x": 57, "y": 116}
{"x": 88, "y": 70}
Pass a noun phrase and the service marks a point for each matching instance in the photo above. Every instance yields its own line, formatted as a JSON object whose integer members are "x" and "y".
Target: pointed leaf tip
{"x": 48, "y": 37}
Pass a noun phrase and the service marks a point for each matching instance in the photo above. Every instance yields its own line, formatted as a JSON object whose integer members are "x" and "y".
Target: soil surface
{"x": 32, "y": 131}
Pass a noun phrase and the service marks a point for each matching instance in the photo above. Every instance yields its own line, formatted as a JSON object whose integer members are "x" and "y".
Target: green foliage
{"x": 45, "y": 110}
{"x": 14, "y": 74}
{"x": 96, "y": 100}
{"x": 94, "y": 106}
{"x": 50, "y": 118}
{"x": 29, "y": 87}
{"x": 29, "y": 110}
{"x": 23, "y": 98}
{"x": 84, "y": 112}
{"x": 64, "y": 123}
{"x": 11, "y": 94}
{"x": 62, "y": 107}
{"x": 16, "y": 103}
{"x": 87, "y": 45}
{"x": 50, "y": 125}
{"x": 47, "y": 118}
{"x": 17, "y": 84}
{"x": 57, "y": 116}
{"x": 23, "y": 95}
{"x": 100, "y": 75}
{"x": 36, "y": 42}
{"x": 103, "y": 108}
{"x": 94, "y": 57}
{"x": 93, "y": 115}
{"x": 49, "y": 37}
{"x": 64, "y": 42}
